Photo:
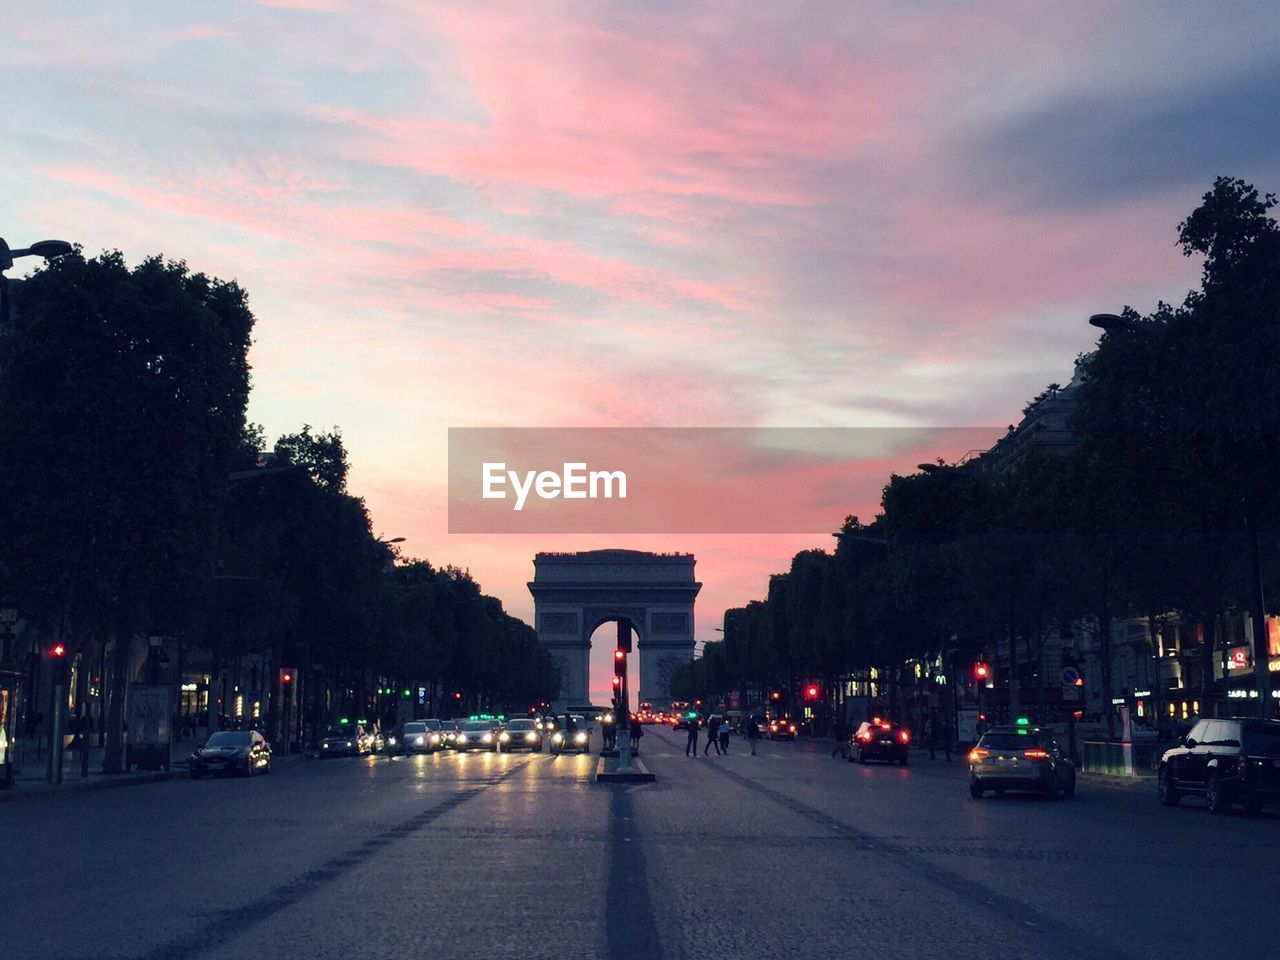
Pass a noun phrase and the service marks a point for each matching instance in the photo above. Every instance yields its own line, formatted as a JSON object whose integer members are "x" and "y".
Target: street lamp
{"x": 47, "y": 249}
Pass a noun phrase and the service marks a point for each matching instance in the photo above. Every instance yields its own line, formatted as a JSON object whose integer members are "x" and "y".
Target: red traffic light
{"x": 617, "y": 681}
{"x": 58, "y": 650}
{"x": 775, "y": 695}
{"x": 981, "y": 671}
{"x": 286, "y": 676}
{"x": 812, "y": 691}
{"x": 619, "y": 655}
{"x": 457, "y": 696}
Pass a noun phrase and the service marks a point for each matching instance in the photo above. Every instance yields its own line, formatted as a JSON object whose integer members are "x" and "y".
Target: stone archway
{"x": 574, "y": 593}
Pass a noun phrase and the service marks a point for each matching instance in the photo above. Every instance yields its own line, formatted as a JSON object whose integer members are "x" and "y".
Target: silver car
{"x": 1020, "y": 758}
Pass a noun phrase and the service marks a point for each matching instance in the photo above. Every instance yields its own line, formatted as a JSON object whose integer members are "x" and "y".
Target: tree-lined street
{"x": 789, "y": 853}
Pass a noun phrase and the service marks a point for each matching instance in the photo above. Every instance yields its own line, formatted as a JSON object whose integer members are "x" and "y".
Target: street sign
{"x": 1070, "y": 676}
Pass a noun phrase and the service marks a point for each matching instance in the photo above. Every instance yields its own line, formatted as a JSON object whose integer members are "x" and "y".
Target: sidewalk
{"x": 29, "y": 778}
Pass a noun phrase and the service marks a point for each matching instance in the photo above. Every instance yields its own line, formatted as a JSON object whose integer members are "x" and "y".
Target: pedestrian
{"x": 753, "y": 734}
{"x": 713, "y": 734}
{"x": 637, "y": 731}
{"x": 691, "y": 745}
{"x": 724, "y": 737}
{"x": 609, "y": 731}
{"x": 932, "y": 734}
{"x": 946, "y": 735}
{"x": 840, "y": 732}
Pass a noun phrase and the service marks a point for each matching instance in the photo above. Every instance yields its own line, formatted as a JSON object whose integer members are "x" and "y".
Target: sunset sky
{"x": 549, "y": 214}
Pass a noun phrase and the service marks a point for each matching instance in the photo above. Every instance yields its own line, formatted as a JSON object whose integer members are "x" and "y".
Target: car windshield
{"x": 478, "y": 726}
{"x": 520, "y": 725}
{"x": 230, "y": 738}
{"x": 432, "y": 724}
{"x": 1260, "y": 741}
{"x": 1009, "y": 741}
{"x": 342, "y": 731}
{"x": 414, "y": 728}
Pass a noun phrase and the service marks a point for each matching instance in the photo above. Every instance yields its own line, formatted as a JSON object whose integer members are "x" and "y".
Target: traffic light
{"x": 811, "y": 691}
{"x": 61, "y": 668}
{"x": 286, "y": 677}
{"x": 775, "y": 696}
{"x": 981, "y": 671}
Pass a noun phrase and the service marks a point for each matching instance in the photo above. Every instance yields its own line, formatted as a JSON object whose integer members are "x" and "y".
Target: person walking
{"x": 637, "y": 731}
{"x": 841, "y": 734}
{"x": 753, "y": 734}
{"x": 724, "y": 737}
{"x": 713, "y": 734}
{"x": 946, "y": 735}
{"x": 691, "y": 745}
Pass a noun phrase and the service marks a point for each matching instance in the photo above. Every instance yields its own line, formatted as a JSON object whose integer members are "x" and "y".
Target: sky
{"x": 546, "y": 214}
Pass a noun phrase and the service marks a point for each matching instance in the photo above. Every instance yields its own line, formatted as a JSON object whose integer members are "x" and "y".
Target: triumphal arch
{"x": 574, "y": 593}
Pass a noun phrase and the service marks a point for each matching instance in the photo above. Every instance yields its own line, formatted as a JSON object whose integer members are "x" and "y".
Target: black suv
{"x": 1228, "y": 761}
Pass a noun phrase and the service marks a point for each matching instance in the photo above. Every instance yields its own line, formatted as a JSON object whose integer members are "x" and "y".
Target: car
{"x": 1227, "y": 762}
{"x": 449, "y": 734}
{"x": 411, "y": 737}
{"x": 522, "y": 734}
{"x": 781, "y": 728}
{"x": 343, "y": 740}
{"x": 244, "y": 752}
{"x": 1020, "y": 757}
{"x": 435, "y": 734}
{"x": 880, "y": 739}
{"x": 578, "y": 740}
{"x": 477, "y": 735}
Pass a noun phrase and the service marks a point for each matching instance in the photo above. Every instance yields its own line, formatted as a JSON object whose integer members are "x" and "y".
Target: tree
{"x": 122, "y": 394}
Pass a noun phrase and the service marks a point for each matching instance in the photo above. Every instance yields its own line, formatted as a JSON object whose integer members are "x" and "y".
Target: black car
{"x": 880, "y": 740}
{"x": 477, "y": 735}
{"x": 243, "y": 752}
{"x": 1226, "y": 761}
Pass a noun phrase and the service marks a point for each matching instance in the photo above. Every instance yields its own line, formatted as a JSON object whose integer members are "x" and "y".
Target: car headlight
{"x": 580, "y": 738}
{"x": 504, "y": 737}
{"x": 531, "y": 737}
{"x": 350, "y": 744}
{"x": 487, "y": 738}
{"x": 324, "y": 746}
{"x": 462, "y": 738}
{"x": 435, "y": 738}
{"x": 418, "y": 741}
{"x": 391, "y": 741}
{"x": 558, "y": 738}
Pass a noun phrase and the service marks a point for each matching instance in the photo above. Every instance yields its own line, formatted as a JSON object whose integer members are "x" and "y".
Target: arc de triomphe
{"x": 574, "y": 593}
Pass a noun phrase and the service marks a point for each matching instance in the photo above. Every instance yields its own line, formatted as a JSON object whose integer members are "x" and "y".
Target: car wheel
{"x": 1070, "y": 789}
{"x": 1166, "y": 792}
{"x": 862, "y": 757}
{"x": 976, "y": 790}
{"x": 267, "y": 768}
{"x": 903, "y": 761}
{"x": 1215, "y": 796}
{"x": 999, "y": 791}
{"x": 196, "y": 774}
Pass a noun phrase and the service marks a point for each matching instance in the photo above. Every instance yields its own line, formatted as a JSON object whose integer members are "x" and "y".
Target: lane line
{"x": 225, "y": 926}
{"x": 1071, "y": 940}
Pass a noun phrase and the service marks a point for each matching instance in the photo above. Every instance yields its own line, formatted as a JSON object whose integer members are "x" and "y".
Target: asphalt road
{"x": 787, "y": 854}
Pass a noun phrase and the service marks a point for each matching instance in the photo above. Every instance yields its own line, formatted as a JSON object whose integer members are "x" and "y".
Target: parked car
{"x": 244, "y": 752}
{"x": 1226, "y": 762}
{"x": 1020, "y": 758}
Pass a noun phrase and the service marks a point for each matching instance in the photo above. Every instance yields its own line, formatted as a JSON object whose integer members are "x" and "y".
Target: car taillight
{"x": 1036, "y": 753}
{"x": 865, "y": 737}
{"x": 904, "y": 736}
{"x": 977, "y": 753}
{"x": 792, "y": 728}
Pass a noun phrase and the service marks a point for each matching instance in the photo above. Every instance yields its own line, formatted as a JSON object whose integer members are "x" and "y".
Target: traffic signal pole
{"x": 623, "y": 714}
